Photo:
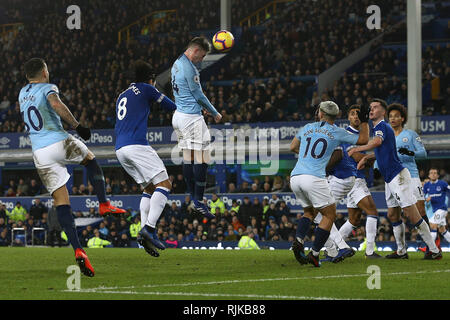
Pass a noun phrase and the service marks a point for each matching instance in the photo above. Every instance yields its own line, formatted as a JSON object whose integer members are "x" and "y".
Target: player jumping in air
{"x": 53, "y": 148}
{"x": 436, "y": 192}
{"x": 398, "y": 185}
{"x": 193, "y": 134}
{"x": 359, "y": 198}
{"x": 314, "y": 144}
{"x": 409, "y": 147}
{"x": 135, "y": 154}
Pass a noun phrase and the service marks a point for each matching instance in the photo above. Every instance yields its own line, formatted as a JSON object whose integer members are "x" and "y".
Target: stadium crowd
{"x": 92, "y": 71}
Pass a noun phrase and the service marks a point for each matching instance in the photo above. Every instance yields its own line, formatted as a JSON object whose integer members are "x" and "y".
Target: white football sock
{"x": 371, "y": 233}
{"x": 346, "y": 229}
{"x": 337, "y": 238}
{"x": 425, "y": 233}
{"x": 433, "y": 234}
{"x": 331, "y": 248}
{"x": 399, "y": 234}
{"x": 144, "y": 207}
{"x": 157, "y": 204}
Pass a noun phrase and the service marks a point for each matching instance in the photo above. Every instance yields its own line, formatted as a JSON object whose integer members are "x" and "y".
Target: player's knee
{"x": 356, "y": 220}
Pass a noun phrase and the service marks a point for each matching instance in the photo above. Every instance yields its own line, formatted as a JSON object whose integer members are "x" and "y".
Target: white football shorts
{"x": 439, "y": 218}
{"x": 417, "y": 189}
{"x": 358, "y": 192}
{"x": 143, "y": 164}
{"x": 191, "y": 130}
{"x": 340, "y": 187}
{"x": 311, "y": 191}
{"x": 399, "y": 192}
{"x": 51, "y": 161}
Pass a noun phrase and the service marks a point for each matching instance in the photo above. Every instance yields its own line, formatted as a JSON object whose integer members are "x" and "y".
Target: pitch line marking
{"x": 256, "y": 296}
{"x": 258, "y": 280}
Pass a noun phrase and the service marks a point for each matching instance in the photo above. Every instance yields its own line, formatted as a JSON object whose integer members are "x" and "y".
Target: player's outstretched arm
{"x": 336, "y": 156}
{"x": 374, "y": 143}
{"x": 367, "y": 158}
{"x": 62, "y": 110}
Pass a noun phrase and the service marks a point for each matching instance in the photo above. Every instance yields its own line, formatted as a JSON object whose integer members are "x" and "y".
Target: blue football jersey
{"x": 41, "y": 120}
{"x": 437, "y": 191}
{"x": 410, "y": 140}
{"x": 317, "y": 142}
{"x": 386, "y": 154}
{"x": 132, "y": 111}
{"x": 344, "y": 168}
{"x": 187, "y": 89}
{"x": 359, "y": 173}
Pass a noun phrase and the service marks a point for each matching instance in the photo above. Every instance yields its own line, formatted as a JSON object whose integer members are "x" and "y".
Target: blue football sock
{"x": 188, "y": 173}
{"x": 321, "y": 237}
{"x": 67, "y": 222}
{"x": 95, "y": 175}
{"x": 303, "y": 227}
{"x": 200, "y": 171}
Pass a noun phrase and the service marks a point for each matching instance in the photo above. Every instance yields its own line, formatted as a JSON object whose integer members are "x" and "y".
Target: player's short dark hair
{"x": 400, "y": 108}
{"x": 354, "y": 107}
{"x": 380, "y": 101}
{"x": 434, "y": 168}
{"x": 143, "y": 72}
{"x": 201, "y": 42}
{"x": 33, "y": 66}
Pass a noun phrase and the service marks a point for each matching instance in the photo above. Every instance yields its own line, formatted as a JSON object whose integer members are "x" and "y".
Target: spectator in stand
{"x": 245, "y": 212}
{"x": 217, "y": 206}
{"x": 124, "y": 241}
{"x": 236, "y": 224}
{"x": 18, "y": 213}
{"x": 37, "y": 209}
{"x": 22, "y": 188}
{"x": 232, "y": 188}
{"x": 34, "y": 189}
{"x": 179, "y": 185}
{"x": 4, "y": 239}
{"x": 4, "y": 213}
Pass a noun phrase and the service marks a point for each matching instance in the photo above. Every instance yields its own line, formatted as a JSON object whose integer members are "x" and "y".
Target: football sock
{"x": 424, "y": 232}
{"x": 157, "y": 204}
{"x": 446, "y": 236}
{"x": 95, "y": 175}
{"x": 200, "y": 171}
{"x": 144, "y": 207}
{"x": 331, "y": 248}
{"x": 321, "y": 237}
{"x": 337, "y": 238}
{"x": 433, "y": 234}
{"x": 67, "y": 222}
{"x": 425, "y": 217}
{"x": 188, "y": 173}
{"x": 346, "y": 229}
{"x": 399, "y": 235}
{"x": 302, "y": 228}
{"x": 371, "y": 233}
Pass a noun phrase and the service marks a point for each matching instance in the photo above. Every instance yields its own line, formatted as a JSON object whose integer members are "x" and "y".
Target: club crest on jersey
{"x": 197, "y": 79}
{"x": 438, "y": 188}
{"x": 405, "y": 139}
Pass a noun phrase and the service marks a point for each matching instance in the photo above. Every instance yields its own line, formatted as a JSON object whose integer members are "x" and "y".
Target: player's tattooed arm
{"x": 295, "y": 145}
{"x": 62, "y": 110}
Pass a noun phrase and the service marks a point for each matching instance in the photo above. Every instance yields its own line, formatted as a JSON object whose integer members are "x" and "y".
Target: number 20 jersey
{"x": 41, "y": 120}
{"x": 317, "y": 142}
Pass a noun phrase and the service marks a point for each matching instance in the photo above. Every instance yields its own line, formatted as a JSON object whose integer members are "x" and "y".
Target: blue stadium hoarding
{"x": 430, "y": 125}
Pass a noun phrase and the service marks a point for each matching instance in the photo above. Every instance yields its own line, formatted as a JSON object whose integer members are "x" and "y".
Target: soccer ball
{"x": 223, "y": 41}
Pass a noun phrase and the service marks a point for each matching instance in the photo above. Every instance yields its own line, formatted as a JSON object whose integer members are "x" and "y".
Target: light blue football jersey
{"x": 187, "y": 89}
{"x": 410, "y": 140}
{"x": 41, "y": 120}
{"x": 317, "y": 142}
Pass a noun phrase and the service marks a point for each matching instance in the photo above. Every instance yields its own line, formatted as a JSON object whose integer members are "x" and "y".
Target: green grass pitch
{"x": 40, "y": 273}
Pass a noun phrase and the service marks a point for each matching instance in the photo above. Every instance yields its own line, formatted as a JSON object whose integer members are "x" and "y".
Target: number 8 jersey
{"x": 317, "y": 142}
{"x": 41, "y": 120}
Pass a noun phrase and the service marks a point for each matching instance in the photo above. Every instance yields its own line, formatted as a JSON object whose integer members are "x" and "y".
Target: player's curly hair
{"x": 400, "y": 108}
{"x": 33, "y": 66}
{"x": 143, "y": 72}
{"x": 201, "y": 42}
